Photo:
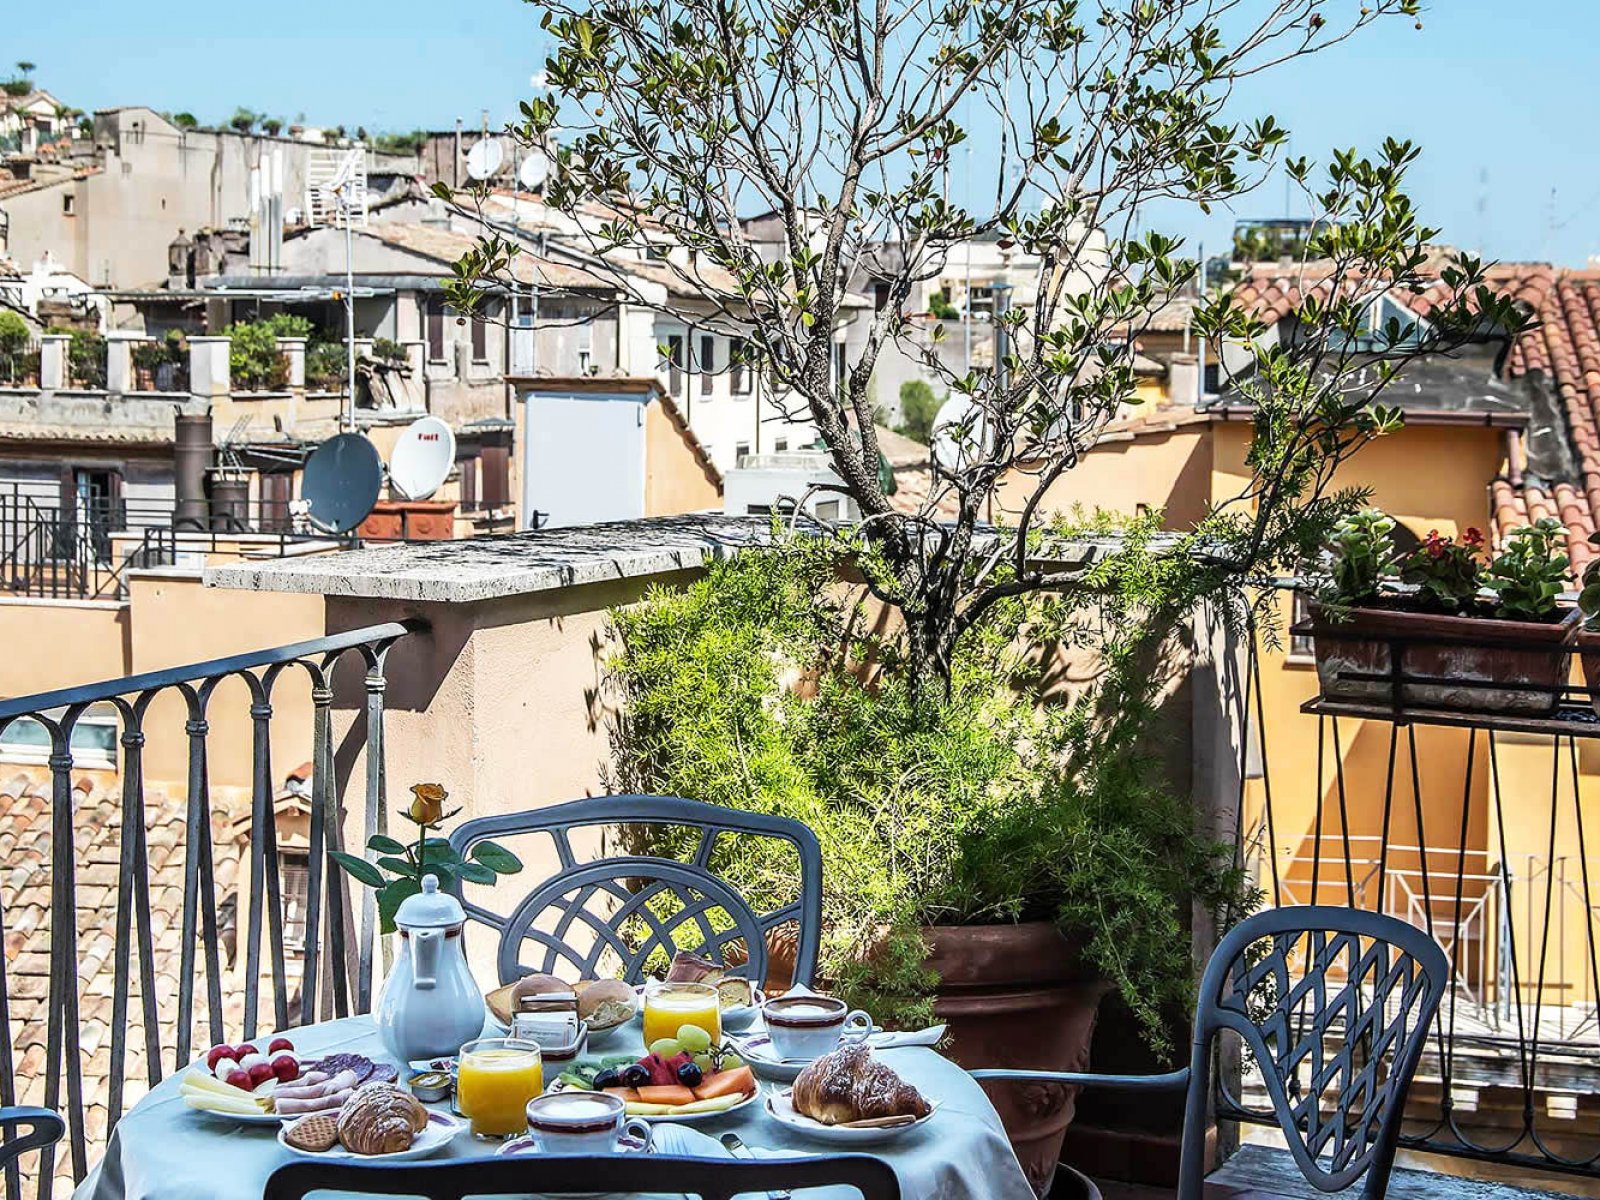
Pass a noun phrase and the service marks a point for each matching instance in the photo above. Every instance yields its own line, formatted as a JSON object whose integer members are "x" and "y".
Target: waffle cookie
{"x": 315, "y": 1134}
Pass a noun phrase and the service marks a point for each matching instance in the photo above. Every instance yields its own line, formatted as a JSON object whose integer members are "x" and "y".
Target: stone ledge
{"x": 475, "y": 569}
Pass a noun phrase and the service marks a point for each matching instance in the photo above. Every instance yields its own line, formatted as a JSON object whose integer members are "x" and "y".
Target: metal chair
{"x": 713, "y": 1179}
{"x": 44, "y": 1128}
{"x": 1338, "y": 1026}
{"x": 638, "y": 905}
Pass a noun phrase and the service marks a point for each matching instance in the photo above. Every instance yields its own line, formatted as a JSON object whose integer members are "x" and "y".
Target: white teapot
{"x": 431, "y": 1005}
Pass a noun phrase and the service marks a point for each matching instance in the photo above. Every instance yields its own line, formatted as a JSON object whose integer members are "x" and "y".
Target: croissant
{"x": 850, "y": 1085}
{"x": 380, "y": 1119}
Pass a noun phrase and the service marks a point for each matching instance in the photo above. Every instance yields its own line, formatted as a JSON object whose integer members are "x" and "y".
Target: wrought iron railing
{"x": 1473, "y": 826}
{"x": 167, "y": 975}
{"x": 58, "y": 552}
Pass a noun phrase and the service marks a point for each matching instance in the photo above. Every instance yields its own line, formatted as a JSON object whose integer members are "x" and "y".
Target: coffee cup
{"x": 582, "y": 1123}
{"x": 802, "y": 1028}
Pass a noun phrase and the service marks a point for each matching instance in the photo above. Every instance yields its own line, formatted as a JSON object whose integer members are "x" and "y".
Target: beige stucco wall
{"x": 674, "y": 480}
{"x": 61, "y": 643}
{"x": 1168, "y": 470}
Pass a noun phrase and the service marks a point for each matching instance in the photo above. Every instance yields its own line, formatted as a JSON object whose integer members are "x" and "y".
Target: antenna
{"x": 341, "y": 481}
{"x": 422, "y": 458}
{"x": 485, "y": 158}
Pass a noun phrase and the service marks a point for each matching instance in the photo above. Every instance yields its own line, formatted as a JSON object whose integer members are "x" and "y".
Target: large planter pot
{"x": 1019, "y": 996}
{"x": 1469, "y": 651}
{"x": 1589, "y": 643}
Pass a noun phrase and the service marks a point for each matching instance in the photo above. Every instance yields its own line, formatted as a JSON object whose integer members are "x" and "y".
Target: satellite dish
{"x": 422, "y": 458}
{"x": 534, "y": 170}
{"x": 960, "y": 431}
{"x": 485, "y": 157}
{"x": 341, "y": 481}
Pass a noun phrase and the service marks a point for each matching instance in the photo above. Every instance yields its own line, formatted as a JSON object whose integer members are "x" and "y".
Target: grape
{"x": 706, "y": 1063}
{"x": 731, "y": 1062}
{"x": 665, "y": 1048}
{"x": 694, "y": 1039}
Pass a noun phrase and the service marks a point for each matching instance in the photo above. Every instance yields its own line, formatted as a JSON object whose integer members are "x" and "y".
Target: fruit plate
{"x": 781, "y": 1109}
{"x": 259, "y": 1118}
{"x": 679, "y": 1118}
{"x": 442, "y": 1129}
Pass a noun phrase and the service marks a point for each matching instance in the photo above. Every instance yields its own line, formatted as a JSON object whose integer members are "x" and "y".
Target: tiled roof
{"x": 1562, "y": 349}
{"x": 446, "y": 246}
{"x": 25, "y": 894}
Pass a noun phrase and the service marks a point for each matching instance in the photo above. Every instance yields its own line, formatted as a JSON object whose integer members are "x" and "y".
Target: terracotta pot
{"x": 1590, "y": 658}
{"x": 1019, "y": 996}
{"x": 1466, "y": 650}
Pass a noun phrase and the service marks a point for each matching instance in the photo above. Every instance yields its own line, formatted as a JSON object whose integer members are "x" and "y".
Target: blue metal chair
{"x": 647, "y": 1174}
{"x": 43, "y": 1128}
{"x": 1334, "y": 1006}
{"x": 640, "y": 906}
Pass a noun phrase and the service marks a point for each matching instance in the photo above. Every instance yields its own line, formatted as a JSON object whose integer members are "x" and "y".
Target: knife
{"x": 734, "y": 1145}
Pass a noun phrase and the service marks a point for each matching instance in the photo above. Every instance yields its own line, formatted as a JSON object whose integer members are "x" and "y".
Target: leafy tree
{"x": 845, "y": 120}
{"x": 185, "y": 120}
{"x": 271, "y": 126}
{"x": 917, "y": 410}
{"x": 25, "y": 67}
{"x": 243, "y": 120}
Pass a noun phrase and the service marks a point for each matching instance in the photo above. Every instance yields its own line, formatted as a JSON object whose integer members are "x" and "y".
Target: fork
{"x": 734, "y": 1145}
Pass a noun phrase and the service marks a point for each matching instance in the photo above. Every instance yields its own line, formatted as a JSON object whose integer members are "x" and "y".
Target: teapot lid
{"x": 429, "y": 908}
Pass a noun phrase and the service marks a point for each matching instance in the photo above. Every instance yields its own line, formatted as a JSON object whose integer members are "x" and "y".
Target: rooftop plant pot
{"x": 1589, "y": 641}
{"x": 1507, "y": 655}
{"x": 1019, "y": 996}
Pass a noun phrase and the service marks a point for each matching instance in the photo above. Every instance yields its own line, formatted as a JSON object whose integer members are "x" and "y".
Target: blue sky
{"x": 1503, "y": 96}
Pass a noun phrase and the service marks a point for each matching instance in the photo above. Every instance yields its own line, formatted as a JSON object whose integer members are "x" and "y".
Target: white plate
{"x": 781, "y": 1110}
{"x": 679, "y": 1118}
{"x": 526, "y": 1147}
{"x": 441, "y": 1130}
{"x": 263, "y": 1118}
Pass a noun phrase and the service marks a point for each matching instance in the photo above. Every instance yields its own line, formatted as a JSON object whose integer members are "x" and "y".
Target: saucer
{"x": 525, "y": 1146}
{"x": 760, "y": 1056}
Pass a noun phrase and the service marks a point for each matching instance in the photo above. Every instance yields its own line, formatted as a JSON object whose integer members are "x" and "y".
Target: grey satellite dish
{"x": 960, "y": 431}
{"x": 534, "y": 170}
{"x": 485, "y": 158}
{"x": 341, "y": 480}
{"x": 422, "y": 458}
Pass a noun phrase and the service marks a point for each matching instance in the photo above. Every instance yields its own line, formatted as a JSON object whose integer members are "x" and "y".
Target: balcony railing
{"x": 160, "y": 975}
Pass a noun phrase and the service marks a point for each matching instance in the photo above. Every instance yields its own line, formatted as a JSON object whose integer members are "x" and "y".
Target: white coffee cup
{"x": 582, "y": 1123}
{"x": 802, "y": 1028}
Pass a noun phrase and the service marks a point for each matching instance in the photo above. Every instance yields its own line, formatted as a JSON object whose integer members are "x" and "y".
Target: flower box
{"x": 1492, "y": 665}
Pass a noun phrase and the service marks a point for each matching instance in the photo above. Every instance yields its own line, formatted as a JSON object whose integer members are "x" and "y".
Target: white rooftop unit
{"x": 765, "y": 483}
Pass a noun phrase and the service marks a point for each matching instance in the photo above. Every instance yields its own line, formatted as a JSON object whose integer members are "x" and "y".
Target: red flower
{"x": 1474, "y": 536}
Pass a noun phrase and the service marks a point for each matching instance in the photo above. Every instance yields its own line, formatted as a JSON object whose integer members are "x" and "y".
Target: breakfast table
{"x": 163, "y": 1150}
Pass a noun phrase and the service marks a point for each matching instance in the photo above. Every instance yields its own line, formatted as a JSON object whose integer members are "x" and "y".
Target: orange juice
{"x": 495, "y": 1079}
{"x": 670, "y": 1006}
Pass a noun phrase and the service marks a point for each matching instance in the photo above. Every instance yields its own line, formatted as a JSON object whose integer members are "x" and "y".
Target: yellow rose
{"x": 427, "y": 805}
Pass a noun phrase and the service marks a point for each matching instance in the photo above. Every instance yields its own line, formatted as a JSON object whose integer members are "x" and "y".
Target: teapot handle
{"x": 425, "y": 946}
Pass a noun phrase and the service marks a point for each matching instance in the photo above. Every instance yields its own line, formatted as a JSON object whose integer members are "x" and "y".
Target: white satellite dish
{"x": 485, "y": 158}
{"x": 535, "y": 169}
{"x": 422, "y": 458}
{"x": 960, "y": 431}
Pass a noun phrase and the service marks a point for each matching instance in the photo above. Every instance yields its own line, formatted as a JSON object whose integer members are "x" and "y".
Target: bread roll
{"x": 605, "y": 1002}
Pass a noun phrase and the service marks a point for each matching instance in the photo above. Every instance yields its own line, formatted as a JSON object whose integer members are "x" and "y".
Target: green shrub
{"x": 939, "y": 305}
{"x": 387, "y": 350}
{"x": 326, "y": 365}
{"x": 19, "y": 365}
{"x": 988, "y": 803}
{"x": 86, "y": 358}
{"x": 1363, "y": 557}
{"x": 918, "y": 408}
{"x": 1530, "y": 573}
{"x": 14, "y": 332}
{"x": 254, "y": 360}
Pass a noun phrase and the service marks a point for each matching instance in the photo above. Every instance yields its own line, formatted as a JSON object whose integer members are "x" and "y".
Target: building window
{"x": 435, "y": 323}
{"x": 780, "y": 445}
{"x": 880, "y": 296}
{"x": 738, "y": 372}
{"x": 674, "y": 364}
{"x": 94, "y": 740}
{"x": 741, "y": 451}
{"x": 708, "y": 363}
{"x": 495, "y": 476}
{"x": 69, "y": 204}
{"x": 469, "y": 482}
{"x": 585, "y": 361}
{"x": 480, "y": 338}
{"x": 1302, "y": 646}
{"x": 294, "y": 870}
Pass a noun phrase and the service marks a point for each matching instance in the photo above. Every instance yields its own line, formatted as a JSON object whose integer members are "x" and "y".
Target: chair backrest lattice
{"x": 712, "y": 1179}
{"x": 626, "y": 915}
{"x": 1334, "y": 1006}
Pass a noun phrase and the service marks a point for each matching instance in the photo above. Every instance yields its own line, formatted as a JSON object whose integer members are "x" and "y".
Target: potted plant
{"x": 1486, "y": 636}
{"x": 1589, "y": 630}
{"x": 998, "y": 855}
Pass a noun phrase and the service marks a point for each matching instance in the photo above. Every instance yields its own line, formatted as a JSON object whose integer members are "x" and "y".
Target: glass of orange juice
{"x": 670, "y": 1006}
{"x": 495, "y": 1079}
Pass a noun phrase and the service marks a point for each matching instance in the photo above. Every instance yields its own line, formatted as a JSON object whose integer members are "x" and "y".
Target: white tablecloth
{"x": 162, "y": 1150}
